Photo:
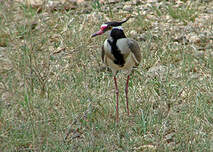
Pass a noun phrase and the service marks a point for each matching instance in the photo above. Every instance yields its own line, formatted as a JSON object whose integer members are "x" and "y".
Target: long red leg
{"x": 116, "y": 91}
{"x": 126, "y": 90}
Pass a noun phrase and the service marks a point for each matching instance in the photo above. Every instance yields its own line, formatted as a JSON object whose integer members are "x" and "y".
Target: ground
{"x": 56, "y": 94}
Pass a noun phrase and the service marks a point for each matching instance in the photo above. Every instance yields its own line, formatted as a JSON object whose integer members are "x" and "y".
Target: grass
{"x": 54, "y": 97}
{"x": 185, "y": 13}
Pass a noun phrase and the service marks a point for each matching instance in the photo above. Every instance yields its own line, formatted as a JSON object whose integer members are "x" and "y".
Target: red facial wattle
{"x": 101, "y": 31}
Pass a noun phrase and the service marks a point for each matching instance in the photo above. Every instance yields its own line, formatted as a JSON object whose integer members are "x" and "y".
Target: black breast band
{"x": 119, "y": 58}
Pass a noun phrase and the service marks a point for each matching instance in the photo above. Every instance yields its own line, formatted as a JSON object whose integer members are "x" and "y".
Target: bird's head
{"x": 108, "y": 26}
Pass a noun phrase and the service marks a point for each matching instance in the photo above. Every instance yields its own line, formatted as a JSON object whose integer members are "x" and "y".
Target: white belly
{"x": 129, "y": 63}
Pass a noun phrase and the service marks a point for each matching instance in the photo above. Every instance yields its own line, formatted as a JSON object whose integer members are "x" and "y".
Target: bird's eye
{"x": 109, "y": 27}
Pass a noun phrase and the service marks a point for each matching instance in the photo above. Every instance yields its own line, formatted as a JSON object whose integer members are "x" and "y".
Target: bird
{"x": 119, "y": 53}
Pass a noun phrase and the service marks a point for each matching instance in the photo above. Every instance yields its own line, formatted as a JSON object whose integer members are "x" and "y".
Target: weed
{"x": 54, "y": 97}
{"x": 183, "y": 13}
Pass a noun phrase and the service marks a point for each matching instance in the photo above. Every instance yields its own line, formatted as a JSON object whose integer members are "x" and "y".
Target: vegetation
{"x": 55, "y": 95}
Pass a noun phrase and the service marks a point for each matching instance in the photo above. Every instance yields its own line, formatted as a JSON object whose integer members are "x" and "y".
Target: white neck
{"x": 118, "y": 27}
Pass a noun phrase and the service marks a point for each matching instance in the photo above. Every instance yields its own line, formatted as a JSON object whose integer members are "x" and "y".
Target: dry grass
{"x": 54, "y": 97}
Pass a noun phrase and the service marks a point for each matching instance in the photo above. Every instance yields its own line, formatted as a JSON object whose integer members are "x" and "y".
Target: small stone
{"x": 33, "y": 3}
{"x": 133, "y": 32}
{"x": 114, "y": 9}
{"x": 113, "y": 1}
{"x": 80, "y": 1}
{"x": 152, "y": 1}
{"x": 181, "y": 39}
{"x": 142, "y": 37}
{"x": 109, "y": 1}
{"x": 135, "y": 2}
{"x": 198, "y": 53}
{"x": 86, "y": 11}
{"x": 184, "y": 93}
{"x": 193, "y": 38}
{"x": 119, "y": 6}
{"x": 195, "y": 76}
{"x": 169, "y": 137}
{"x": 209, "y": 11}
{"x": 127, "y": 8}
{"x": 128, "y": 3}
{"x": 157, "y": 70}
{"x": 5, "y": 96}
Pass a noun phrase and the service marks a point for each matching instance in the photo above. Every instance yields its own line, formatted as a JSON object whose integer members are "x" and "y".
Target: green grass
{"x": 54, "y": 97}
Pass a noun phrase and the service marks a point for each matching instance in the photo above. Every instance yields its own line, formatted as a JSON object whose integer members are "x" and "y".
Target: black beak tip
{"x": 93, "y": 35}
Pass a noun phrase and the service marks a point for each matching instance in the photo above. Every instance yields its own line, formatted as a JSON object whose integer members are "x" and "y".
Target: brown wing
{"x": 135, "y": 49}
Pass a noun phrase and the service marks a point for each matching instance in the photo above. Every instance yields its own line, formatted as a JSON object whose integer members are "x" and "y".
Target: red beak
{"x": 97, "y": 33}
